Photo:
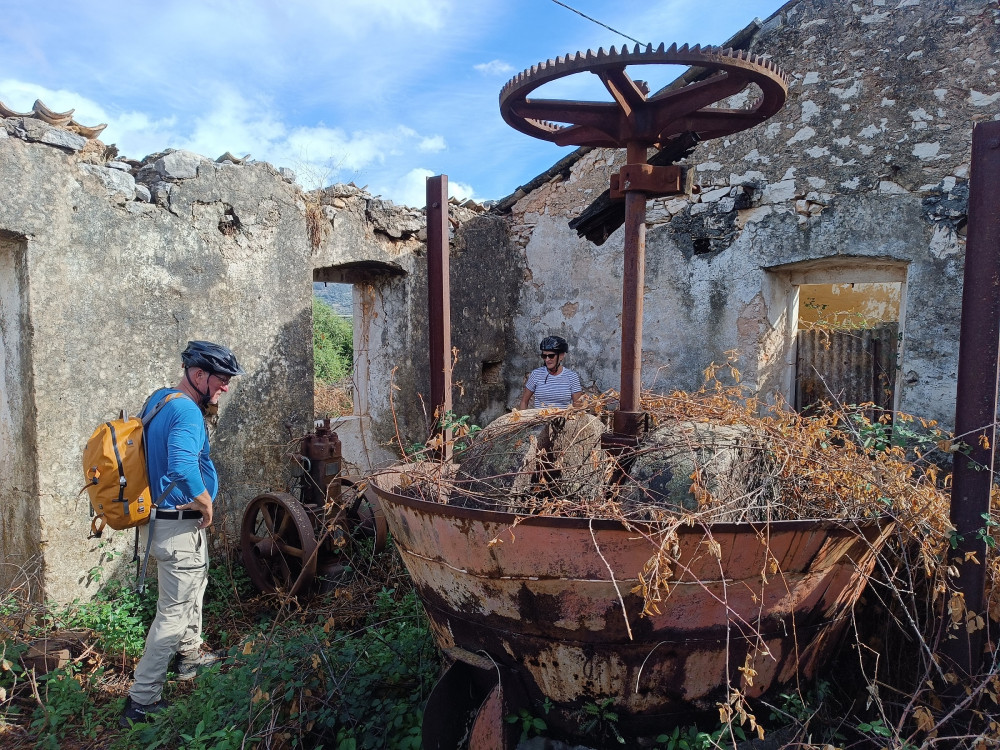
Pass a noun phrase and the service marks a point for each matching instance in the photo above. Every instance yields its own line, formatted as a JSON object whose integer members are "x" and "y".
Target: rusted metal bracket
{"x": 629, "y": 422}
{"x": 653, "y": 181}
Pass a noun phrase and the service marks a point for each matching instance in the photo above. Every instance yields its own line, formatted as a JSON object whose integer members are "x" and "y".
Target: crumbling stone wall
{"x": 380, "y": 248}
{"x": 107, "y": 268}
{"x": 866, "y": 167}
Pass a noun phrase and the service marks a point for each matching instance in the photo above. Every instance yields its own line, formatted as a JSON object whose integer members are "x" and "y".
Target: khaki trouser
{"x": 180, "y": 549}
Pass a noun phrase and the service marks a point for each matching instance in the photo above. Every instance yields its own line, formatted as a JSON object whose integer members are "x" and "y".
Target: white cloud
{"x": 494, "y": 68}
{"x": 135, "y": 133}
{"x": 432, "y": 144}
{"x": 411, "y": 188}
{"x": 20, "y": 95}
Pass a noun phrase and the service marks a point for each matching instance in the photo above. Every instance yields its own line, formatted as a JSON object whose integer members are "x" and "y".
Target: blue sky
{"x": 379, "y": 92}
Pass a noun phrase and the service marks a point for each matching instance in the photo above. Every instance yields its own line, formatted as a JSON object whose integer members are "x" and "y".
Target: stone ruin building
{"x": 109, "y": 265}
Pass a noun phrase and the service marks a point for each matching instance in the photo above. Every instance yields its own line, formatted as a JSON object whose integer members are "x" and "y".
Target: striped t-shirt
{"x": 553, "y": 390}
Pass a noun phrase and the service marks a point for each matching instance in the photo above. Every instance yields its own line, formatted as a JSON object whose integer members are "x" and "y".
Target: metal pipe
{"x": 633, "y": 284}
{"x": 439, "y": 294}
{"x": 976, "y": 402}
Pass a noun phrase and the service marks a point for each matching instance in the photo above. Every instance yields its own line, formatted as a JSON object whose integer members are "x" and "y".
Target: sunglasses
{"x": 224, "y": 379}
{"x": 549, "y": 356}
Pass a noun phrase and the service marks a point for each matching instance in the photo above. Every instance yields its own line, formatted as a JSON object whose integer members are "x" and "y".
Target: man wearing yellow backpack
{"x": 177, "y": 451}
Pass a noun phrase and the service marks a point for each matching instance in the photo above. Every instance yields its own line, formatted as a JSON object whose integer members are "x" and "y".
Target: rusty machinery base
{"x": 550, "y": 602}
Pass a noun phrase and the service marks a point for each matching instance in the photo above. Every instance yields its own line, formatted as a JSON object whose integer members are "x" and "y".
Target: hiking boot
{"x": 188, "y": 664}
{"x": 137, "y": 713}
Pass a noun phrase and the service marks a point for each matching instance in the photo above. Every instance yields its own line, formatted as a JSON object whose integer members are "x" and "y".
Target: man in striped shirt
{"x": 552, "y": 384}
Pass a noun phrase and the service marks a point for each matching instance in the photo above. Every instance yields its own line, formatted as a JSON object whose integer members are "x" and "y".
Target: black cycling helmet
{"x": 211, "y": 358}
{"x": 555, "y": 344}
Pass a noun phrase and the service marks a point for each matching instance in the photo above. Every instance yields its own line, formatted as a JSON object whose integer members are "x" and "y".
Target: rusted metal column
{"x": 439, "y": 293}
{"x": 633, "y": 283}
{"x": 976, "y": 404}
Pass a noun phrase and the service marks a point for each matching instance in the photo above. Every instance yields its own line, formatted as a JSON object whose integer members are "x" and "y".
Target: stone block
{"x": 779, "y": 192}
{"x": 722, "y": 456}
{"x": 535, "y": 453}
{"x": 160, "y": 193}
{"x": 179, "y": 165}
{"x": 711, "y": 196}
{"x": 33, "y": 130}
{"x": 117, "y": 183}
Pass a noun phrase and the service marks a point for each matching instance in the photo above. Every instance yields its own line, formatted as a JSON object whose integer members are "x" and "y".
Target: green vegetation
{"x": 350, "y": 671}
{"x": 333, "y": 344}
{"x": 530, "y": 724}
{"x": 462, "y": 432}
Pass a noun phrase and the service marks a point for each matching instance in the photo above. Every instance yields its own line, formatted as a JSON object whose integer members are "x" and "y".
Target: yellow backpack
{"x": 114, "y": 463}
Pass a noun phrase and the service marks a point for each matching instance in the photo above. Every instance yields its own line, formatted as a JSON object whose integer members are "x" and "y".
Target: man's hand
{"x": 202, "y": 502}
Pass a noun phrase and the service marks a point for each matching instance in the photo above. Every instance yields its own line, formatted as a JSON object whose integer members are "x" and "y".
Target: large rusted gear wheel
{"x": 632, "y": 116}
{"x": 278, "y": 544}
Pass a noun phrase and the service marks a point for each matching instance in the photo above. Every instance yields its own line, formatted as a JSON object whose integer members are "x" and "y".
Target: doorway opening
{"x": 333, "y": 349}
{"x": 846, "y": 345}
{"x": 367, "y": 282}
{"x": 844, "y": 332}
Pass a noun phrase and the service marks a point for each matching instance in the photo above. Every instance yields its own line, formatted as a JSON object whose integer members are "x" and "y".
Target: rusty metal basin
{"x": 754, "y": 606}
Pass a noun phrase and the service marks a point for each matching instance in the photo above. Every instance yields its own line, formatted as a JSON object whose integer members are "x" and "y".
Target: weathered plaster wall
{"x": 18, "y": 486}
{"x": 380, "y": 248}
{"x": 107, "y": 288}
{"x": 866, "y": 166}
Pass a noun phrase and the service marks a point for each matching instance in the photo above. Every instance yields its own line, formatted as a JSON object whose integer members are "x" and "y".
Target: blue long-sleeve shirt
{"x": 177, "y": 449}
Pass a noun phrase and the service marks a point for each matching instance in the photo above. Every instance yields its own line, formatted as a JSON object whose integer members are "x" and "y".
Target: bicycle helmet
{"x": 212, "y": 358}
{"x": 555, "y": 344}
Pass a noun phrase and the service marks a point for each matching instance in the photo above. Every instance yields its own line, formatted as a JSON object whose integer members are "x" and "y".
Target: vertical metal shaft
{"x": 976, "y": 404}
{"x": 633, "y": 284}
{"x": 439, "y": 293}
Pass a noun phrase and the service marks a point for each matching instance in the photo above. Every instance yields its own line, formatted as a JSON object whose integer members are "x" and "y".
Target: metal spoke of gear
{"x": 633, "y": 115}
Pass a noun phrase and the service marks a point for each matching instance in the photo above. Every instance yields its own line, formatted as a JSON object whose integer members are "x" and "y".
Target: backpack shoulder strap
{"x": 156, "y": 409}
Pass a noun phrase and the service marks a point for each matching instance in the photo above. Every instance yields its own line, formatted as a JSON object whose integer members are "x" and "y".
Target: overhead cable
{"x": 616, "y": 31}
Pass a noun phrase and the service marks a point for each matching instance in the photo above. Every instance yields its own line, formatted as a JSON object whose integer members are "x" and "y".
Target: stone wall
{"x": 861, "y": 177}
{"x": 109, "y": 266}
{"x": 103, "y": 280}
{"x": 380, "y": 249}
